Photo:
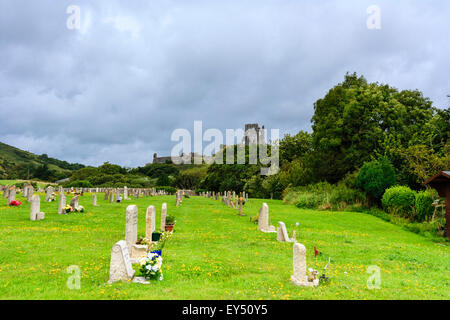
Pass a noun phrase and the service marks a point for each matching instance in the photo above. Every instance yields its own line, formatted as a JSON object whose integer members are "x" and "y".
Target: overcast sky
{"x": 115, "y": 89}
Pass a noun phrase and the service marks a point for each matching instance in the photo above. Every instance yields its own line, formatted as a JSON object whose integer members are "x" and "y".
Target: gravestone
{"x": 282, "y": 234}
{"x": 35, "y": 209}
{"x": 120, "y": 268}
{"x": 263, "y": 220}
{"x": 62, "y": 203}
{"x": 131, "y": 226}
{"x": 25, "y": 190}
{"x": 30, "y": 193}
{"x": 48, "y": 193}
{"x": 299, "y": 277}
{"x": 240, "y": 200}
{"x": 125, "y": 193}
{"x": 11, "y": 194}
{"x": 150, "y": 222}
{"x": 111, "y": 196}
{"x": 94, "y": 200}
{"x": 74, "y": 203}
{"x": 106, "y": 195}
{"x": 6, "y": 192}
{"x": 163, "y": 216}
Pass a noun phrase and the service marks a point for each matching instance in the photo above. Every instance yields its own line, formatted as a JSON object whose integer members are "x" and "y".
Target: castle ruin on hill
{"x": 253, "y": 134}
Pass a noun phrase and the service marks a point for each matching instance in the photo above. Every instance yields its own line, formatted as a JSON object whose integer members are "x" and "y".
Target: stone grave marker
{"x": 131, "y": 226}
{"x": 150, "y": 222}
{"x": 299, "y": 277}
{"x": 35, "y": 209}
{"x": 263, "y": 220}
{"x": 61, "y": 203}
{"x": 282, "y": 234}
{"x": 11, "y": 194}
{"x": 120, "y": 268}
{"x": 163, "y": 216}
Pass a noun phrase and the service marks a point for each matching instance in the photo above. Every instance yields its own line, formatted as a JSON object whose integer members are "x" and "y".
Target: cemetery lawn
{"x": 215, "y": 254}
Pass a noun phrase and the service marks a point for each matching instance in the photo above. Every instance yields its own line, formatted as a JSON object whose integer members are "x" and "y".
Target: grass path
{"x": 215, "y": 254}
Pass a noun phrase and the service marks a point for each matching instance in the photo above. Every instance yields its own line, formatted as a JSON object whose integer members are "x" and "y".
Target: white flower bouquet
{"x": 151, "y": 266}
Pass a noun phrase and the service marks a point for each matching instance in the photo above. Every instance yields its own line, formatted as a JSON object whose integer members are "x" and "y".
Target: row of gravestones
{"x": 35, "y": 200}
{"x": 226, "y": 195}
{"x": 229, "y": 198}
{"x": 299, "y": 277}
{"x": 126, "y": 252}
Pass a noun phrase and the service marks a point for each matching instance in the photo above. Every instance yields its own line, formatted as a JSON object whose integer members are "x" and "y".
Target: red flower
{"x": 316, "y": 252}
{"x": 15, "y": 203}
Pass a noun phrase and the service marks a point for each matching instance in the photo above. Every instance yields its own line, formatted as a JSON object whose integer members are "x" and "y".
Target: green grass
{"x": 215, "y": 254}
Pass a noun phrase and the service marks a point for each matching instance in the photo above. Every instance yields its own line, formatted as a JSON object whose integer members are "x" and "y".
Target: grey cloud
{"x": 117, "y": 88}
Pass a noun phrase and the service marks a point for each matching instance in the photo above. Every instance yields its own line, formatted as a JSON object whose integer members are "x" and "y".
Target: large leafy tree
{"x": 357, "y": 120}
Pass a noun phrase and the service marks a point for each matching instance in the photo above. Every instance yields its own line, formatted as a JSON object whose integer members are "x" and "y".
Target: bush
{"x": 79, "y": 184}
{"x": 326, "y": 196}
{"x": 375, "y": 177}
{"x": 399, "y": 200}
{"x": 424, "y": 205}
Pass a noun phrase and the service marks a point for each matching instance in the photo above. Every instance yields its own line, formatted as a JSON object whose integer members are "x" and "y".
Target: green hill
{"x": 18, "y": 164}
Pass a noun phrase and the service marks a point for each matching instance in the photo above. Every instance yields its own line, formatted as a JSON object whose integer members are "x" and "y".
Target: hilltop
{"x": 19, "y": 164}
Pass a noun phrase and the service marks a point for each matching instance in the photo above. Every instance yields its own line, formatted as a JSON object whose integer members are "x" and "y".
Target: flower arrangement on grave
{"x": 254, "y": 219}
{"x": 144, "y": 241}
{"x": 52, "y": 197}
{"x": 69, "y": 209}
{"x": 15, "y": 203}
{"x": 151, "y": 266}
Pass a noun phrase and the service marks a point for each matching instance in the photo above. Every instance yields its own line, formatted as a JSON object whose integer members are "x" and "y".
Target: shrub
{"x": 424, "y": 205}
{"x": 325, "y": 196}
{"x": 375, "y": 177}
{"x": 399, "y": 200}
{"x": 79, "y": 184}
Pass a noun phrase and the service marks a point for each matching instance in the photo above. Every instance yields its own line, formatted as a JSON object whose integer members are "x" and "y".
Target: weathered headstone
{"x": 120, "y": 268}
{"x": 61, "y": 203}
{"x": 25, "y": 190}
{"x": 263, "y": 220}
{"x": 131, "y": 226}
{"x": 48, "y": 193}
{"x": 282, "y": 234}
{"x": 6, "y": 192}
{"x": 30, "y": 193}
{"x": 163, "y": 216}
{"x": 299, "y": 277}
{"x": 150, "y": 222}
{"x": 125, "y": 193}
{"x": 35, "y": 209}
{"x": 11, "y": 194}
{"x": 94, "y": 200}
{"x": 74, "y": 203}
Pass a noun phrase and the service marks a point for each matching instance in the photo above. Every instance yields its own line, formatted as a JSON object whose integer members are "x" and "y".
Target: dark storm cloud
{"x": 116, "y": 89}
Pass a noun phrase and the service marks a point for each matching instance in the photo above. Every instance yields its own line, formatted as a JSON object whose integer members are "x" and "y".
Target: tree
{"x": 294, "y": 147}
{"x": 355, "y": 119}
{"x": 375, "y": 177}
